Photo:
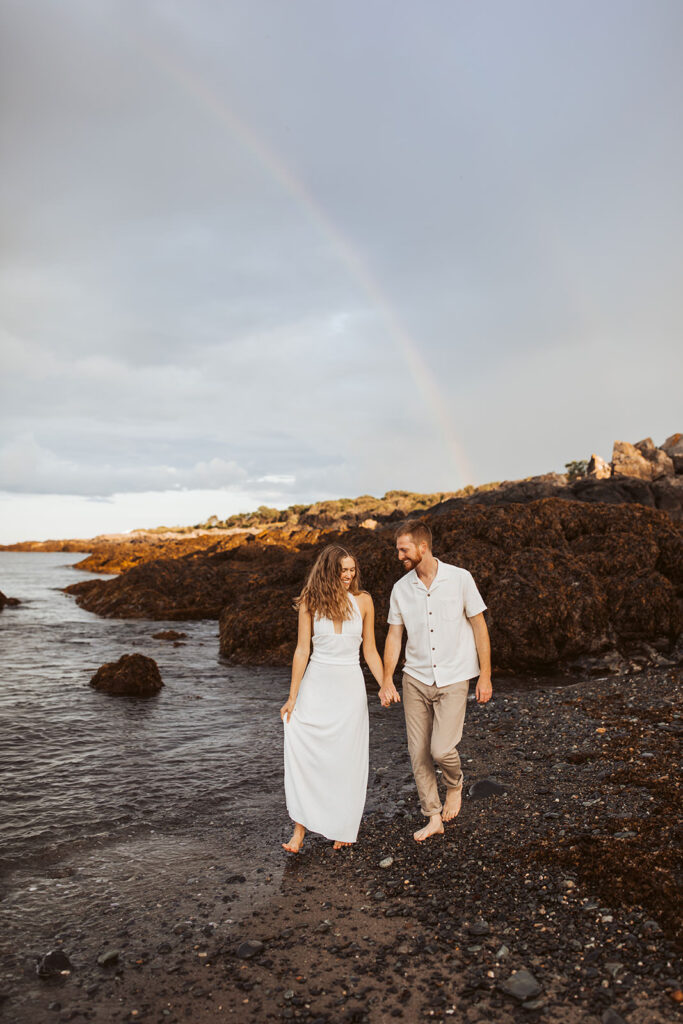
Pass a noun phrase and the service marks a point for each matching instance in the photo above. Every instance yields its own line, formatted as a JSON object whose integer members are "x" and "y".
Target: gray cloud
{"x": 339, "y": 246}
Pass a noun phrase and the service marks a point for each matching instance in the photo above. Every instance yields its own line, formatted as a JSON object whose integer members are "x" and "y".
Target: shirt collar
{"x": 437, "y": 579}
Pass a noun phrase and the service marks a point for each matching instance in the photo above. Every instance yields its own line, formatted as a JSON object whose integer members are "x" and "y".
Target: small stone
{"x": 54, "y": 1006}
{"x": 502, "y": 952}
{"x": 110, "y": 957}
{"x": 676, "y": 995}
{"x": 611, "y": 1016}
{"x": 249, "y": 948}
{"x": 607, "y": 919}
{"x": 53, "y": 963}
{"x": 522, "y": 986}
{"x": 387, "y": 862}
{"x": 624, "y": 835}
{"x": 478, "y": 928}
{"x": 533, "y": 1004}
{"x": 568, "y": 884}
{"x": 485, "y": 787}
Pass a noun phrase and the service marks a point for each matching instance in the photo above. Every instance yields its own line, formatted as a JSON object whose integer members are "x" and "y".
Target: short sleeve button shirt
{"x": 440, "y": 647}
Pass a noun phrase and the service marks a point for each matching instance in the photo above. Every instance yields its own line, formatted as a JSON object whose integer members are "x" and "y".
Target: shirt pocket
{"x": 452, "y": 609}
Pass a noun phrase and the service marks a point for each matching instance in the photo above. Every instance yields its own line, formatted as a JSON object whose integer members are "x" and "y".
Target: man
{"x": 447, "y": 645}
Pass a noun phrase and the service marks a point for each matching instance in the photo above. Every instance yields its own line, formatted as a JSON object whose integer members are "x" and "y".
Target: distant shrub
{"x": 576, "y": 469}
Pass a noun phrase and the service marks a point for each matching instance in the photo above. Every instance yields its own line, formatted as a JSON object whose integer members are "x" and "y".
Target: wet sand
{"x": 568, "y": 874}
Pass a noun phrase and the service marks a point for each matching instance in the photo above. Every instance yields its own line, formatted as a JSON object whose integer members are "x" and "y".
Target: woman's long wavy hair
{"x": 323, "y": 593}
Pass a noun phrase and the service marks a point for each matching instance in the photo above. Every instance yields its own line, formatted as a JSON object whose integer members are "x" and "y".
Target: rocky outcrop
{"x": 8, "y": 602}
{"x": 673, "y": 446}
{"x": 642, "y": 460}
{"x": 563, "y": 581}
{"x": 598, "y": 468}
{"x": 133, "y": 675}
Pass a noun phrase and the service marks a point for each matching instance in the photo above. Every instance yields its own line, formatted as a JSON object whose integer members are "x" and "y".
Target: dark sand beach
{"x": 569, "y": 874}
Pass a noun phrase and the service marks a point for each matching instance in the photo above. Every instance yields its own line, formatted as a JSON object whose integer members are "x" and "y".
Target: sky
{"x": 259, "y": 252}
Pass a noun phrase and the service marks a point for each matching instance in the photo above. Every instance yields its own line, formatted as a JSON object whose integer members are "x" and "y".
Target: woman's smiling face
{"x": 347, "y": 571}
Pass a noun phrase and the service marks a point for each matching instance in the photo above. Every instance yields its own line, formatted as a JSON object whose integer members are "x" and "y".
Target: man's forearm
{"x": 483, "y": 643}
{"x": 392, "y": 650}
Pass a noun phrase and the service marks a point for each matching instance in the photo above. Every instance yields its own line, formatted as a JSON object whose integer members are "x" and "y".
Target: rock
{"x": 133, "y": 675}
{"x": 479, "y": 928}
{"x": 598, "y": 468}
{"x": 168, "y": 634}
{"x": 108, "y": 958}
{"x": 54, "y": 962}
{"x": 642, "y": 460}
{"x": 564, "y": 578}
{"x": 249, "y": 948}
{"x": 387, "y": 862}
{"x": 627, "y": 460}
{"x": 673, "y": 446}
{"x": 485, "y": 787}
{"x": 8, "y": 602}
{"x": 502, "y": 952}
{"x": 611, "y": 1016}
{"x": 522, "y": 986}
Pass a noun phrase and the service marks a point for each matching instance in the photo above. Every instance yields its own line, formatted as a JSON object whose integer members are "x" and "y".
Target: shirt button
{"x": 430, "y": 613}
{"x": 431, "y": 630}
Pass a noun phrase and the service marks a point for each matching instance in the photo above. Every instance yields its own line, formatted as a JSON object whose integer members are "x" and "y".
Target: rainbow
{"x": 352, "y": 260}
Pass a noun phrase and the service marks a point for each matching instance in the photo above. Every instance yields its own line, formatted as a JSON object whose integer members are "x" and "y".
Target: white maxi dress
{"x": 327, "y": 735}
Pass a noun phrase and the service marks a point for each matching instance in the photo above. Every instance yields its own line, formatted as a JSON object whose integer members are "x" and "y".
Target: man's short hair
{"x": 417, "y": 529}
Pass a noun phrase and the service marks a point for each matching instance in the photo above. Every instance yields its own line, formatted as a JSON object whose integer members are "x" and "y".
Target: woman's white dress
{"x": 326, "y": 737}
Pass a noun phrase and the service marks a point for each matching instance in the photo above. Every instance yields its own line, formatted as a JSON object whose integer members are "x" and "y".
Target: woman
{"x": 326, "y": 715}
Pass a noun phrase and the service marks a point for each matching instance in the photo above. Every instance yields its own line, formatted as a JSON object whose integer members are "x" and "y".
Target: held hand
{"x": 388, "y": 694}
{"x": 287, "y": 709}
{"x": 484, "y": 689}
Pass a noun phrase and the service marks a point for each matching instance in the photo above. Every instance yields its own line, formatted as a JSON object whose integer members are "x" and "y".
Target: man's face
{"x": 409, "y": 553}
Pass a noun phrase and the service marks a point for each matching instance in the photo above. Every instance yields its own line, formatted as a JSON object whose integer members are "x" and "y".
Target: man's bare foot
{"x": 434, "y": 827}
{"x": 297, "y": 840}
{"x": 451, "y": 808}
{"x": 338, "y": 844}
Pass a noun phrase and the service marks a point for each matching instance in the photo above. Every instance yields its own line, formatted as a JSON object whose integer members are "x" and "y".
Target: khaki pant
{"x": 434, "y": 721}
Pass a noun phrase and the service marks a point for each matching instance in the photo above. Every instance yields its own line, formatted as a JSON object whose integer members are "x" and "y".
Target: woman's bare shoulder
{"x": 364, "y": 598}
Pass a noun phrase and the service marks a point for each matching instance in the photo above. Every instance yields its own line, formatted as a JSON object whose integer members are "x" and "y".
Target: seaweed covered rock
{"x": 133, "y": 675}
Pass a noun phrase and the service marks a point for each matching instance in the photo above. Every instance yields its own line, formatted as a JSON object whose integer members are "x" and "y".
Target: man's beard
{"x": 411, "y": 563}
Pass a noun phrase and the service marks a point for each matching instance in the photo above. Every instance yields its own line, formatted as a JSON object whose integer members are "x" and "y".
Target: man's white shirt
{"x": 440, "y": 647}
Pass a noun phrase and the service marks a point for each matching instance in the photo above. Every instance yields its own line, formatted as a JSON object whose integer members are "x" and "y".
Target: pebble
{"x": 53, "y": 963}
{"x": 502, "y": 952}
{"x": 522, "y": 986}
{"x": 249, "y": 948}
{"x": 485, "y": 787}
{"x": 611, "y": 1016}
{"x": 110, "y": 957}
{"x": 478, "y": 928}
{"x": 387, "y": 862}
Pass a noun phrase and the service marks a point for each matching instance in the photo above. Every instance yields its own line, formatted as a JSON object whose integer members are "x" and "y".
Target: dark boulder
{"x": 133, "y": 675}
{"x": 8, "y": 602}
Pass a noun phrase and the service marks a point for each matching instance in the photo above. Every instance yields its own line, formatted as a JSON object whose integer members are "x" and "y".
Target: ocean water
{"x": 80, "y": 767}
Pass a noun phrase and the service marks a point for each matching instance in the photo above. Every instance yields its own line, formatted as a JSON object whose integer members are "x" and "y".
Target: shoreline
{"x": 344, "y": 939}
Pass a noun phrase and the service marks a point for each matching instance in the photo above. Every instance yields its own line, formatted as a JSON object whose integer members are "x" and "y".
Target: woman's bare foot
{"x": 451, "y": 808}
{"x": 434, "y": 827}
{"x": 338, "y": 844}
{"x": 297, "y": 840}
